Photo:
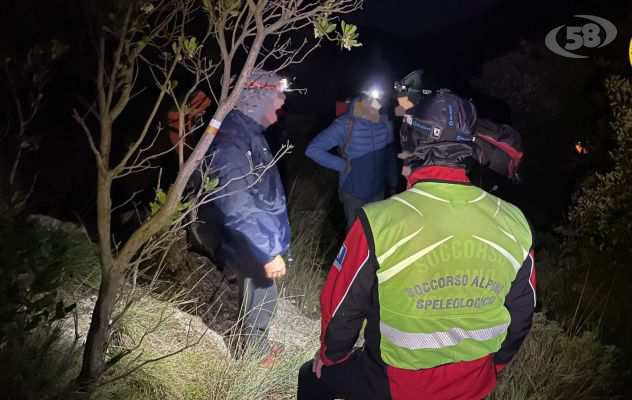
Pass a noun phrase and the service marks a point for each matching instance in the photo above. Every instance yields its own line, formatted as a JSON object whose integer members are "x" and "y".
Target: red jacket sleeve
{"x": 346, "y": 296}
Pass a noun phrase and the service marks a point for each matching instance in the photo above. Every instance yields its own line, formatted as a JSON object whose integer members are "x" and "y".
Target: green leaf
{"x": 160, "y": 199}
{"x": 183, "y": 206}
{"x": 349, "y": 36}
{"x": 161, "y": 196}
{"x": 155, "y": 207}
{"x": 347, "y": 29}
{"x": 322, "y": 27}
{"x": 190, "y": 46}
{"x": 210, "y": 184}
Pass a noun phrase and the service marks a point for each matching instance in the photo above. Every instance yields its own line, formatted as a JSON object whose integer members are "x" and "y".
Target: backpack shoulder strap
{"x": 343, "y": 150}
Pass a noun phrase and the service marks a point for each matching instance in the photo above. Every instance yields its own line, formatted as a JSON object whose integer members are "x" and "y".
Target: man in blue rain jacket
{"x": 366, "y": 161}
{"x": 247, "y": 220}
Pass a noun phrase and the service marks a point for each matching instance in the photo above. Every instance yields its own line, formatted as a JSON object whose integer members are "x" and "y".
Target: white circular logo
{"x": 587, "y": 36}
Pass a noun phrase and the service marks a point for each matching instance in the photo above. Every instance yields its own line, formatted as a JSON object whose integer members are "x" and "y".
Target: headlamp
{"x": 411, "y": 86}
{"x": 282, "y": 85}
{"x": 285, "y": 83}
{"x": 375, "y": 93}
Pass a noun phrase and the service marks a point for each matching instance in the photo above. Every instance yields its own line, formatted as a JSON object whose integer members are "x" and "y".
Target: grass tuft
{"x": 41, "y": 367}
{"x": 206, "y": 371}
{"x": 308, "y": 219}
{"x": 553, "y": 365}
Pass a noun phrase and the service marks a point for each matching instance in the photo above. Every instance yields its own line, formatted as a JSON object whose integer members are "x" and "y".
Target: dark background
{"x": 451, "y": 40}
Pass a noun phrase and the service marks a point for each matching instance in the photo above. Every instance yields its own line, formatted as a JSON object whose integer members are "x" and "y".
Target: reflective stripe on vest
{"x": 437, "y": 340}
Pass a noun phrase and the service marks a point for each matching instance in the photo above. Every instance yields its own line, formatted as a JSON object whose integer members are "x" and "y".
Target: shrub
{"x": 597, "y": 246}
{"x": 31, "y": 274}
{"x": 601, "y": 216}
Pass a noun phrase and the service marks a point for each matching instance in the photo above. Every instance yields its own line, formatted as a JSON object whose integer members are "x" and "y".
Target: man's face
{"x": 404, "y": 104}
{"x": 368, "y": 108}
{"x": 277, "y": 102}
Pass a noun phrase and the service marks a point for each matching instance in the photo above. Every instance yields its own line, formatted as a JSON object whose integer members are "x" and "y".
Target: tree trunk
{"x": 112, "y": 267}
{"x": 97, "y": 340}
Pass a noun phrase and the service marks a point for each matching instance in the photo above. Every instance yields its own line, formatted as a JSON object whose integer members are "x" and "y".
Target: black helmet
{"x": 411, "y": 85}
{"x": 439, "y": 131}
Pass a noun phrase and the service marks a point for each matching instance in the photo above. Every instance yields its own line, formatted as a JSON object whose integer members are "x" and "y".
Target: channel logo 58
{"x": 596, "y": 33}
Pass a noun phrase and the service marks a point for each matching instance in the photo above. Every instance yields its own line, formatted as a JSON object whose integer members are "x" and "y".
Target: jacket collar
{"x": 248, "y": 122}
{"x": 438, "y": 173}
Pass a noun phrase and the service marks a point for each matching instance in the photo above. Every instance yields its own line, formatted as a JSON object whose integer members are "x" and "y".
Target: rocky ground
{"x": 217, "y": 294}
{"x": 214, "y": 294}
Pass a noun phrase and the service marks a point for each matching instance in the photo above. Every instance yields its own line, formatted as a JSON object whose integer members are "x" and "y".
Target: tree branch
{"x": 86, "y": 131}
{"x": 121, "y": 165}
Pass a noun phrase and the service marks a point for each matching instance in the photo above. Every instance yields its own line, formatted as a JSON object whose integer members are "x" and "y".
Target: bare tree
{"x": 152, "y": 35}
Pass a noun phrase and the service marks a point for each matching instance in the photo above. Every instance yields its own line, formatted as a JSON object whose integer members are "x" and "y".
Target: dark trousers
{"x": 258, "y": 300}
{"x": 352, "y": 204}
{"x": 257, "y": 293}
{"x": 340, "y": 381}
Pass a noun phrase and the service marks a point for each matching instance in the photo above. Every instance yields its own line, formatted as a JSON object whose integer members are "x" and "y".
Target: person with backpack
{"x": 247, "y": 217}
{"x": 184, "y": 142}
{"x": 440, "y": 277}
{"x": 366, "y": 158}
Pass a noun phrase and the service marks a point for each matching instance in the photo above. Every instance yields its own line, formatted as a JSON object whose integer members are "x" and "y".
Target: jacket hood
{"x": 439, "y": 132}
{"x": 256, "y": 98}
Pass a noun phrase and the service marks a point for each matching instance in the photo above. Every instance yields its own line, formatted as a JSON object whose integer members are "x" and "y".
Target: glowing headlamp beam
{"x": 374, "y": 93}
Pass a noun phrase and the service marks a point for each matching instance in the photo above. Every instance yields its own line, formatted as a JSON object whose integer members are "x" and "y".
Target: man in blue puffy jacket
{"x": 366, "y": 159}
{"x": 248, "y": 219}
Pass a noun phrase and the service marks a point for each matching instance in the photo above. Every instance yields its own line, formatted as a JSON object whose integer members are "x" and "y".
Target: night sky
{"x": 451, "y": 40}
{"x": 413, "y": 18}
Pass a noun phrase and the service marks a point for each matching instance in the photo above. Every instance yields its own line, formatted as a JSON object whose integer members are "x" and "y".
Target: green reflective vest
{"x": 447, "y": 256}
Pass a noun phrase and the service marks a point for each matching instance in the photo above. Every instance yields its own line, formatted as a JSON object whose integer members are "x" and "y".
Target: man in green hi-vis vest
{"x": 443, "y": 273}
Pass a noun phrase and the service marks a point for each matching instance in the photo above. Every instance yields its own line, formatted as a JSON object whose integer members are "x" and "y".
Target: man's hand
{"x": 275, "y": 268}
{"x": 317, "y": 365}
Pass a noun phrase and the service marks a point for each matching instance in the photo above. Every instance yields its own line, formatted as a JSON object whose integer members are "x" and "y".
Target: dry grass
{"x": 308, "y": 219}
{"x": 206, "y": 371}
{"x": 552, "y": 365}
{"x": 41, "y": 367}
